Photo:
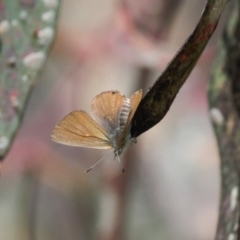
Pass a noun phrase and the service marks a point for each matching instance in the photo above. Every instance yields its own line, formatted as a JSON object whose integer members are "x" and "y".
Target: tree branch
{"x": 158, "y": 100}
{"x": 224, "y": 94}
{"x": 27, "y": 30}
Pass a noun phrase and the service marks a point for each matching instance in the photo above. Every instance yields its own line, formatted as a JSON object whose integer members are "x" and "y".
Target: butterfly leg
{"x": 118, "y": 158}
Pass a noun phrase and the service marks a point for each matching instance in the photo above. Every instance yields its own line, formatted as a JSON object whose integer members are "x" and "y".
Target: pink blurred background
{"x": 171, "y": 188}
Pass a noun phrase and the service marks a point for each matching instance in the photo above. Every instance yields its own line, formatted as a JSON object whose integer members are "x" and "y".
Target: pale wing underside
{"x": 134, "y": 102}
{"x": 79, "y": 129}
{"x": 106, "y": 107}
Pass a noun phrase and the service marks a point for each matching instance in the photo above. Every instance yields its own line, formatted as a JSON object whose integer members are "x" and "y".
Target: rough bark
{"x": 27, "y": 29}
{"x": 224, "y": 92}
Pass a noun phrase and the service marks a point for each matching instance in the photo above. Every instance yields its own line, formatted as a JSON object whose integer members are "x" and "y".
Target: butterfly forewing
{"x": 106, "y": 107}
{"x": 79, "y": 129}
{"x": 134, "y": 102}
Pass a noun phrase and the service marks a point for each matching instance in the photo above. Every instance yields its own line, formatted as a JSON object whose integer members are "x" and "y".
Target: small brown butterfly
{"x": 109, "y": 128}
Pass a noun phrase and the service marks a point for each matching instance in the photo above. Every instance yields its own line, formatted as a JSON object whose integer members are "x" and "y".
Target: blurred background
{"x": 171, "y": 186}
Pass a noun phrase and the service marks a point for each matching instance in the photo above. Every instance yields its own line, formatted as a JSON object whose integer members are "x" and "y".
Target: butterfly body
{"x": 109, "y": 126}
{"x": 124, "y": 113}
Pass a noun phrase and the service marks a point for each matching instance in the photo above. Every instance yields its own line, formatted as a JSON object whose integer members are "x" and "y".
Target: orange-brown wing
{"x": 79, "y": 129}
{"x": 106, "y": 107}
{"x": 134, "y": 102}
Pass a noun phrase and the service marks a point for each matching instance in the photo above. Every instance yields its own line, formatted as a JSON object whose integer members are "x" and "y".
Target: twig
{"x": 158, "y": 100}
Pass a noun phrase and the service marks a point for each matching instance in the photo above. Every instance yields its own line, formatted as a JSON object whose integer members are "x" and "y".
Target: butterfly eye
{"x": 119, "y": 151}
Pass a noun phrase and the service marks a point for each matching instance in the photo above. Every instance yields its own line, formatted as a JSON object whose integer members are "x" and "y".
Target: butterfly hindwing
{"x": 79, "y": 129}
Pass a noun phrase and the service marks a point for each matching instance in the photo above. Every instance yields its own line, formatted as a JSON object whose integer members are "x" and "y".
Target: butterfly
{"x": 109, "y": 126}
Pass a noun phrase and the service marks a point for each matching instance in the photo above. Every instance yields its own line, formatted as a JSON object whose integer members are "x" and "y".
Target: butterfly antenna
{"x": 118, "y": 158}
{"x": 97, "y": 162}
